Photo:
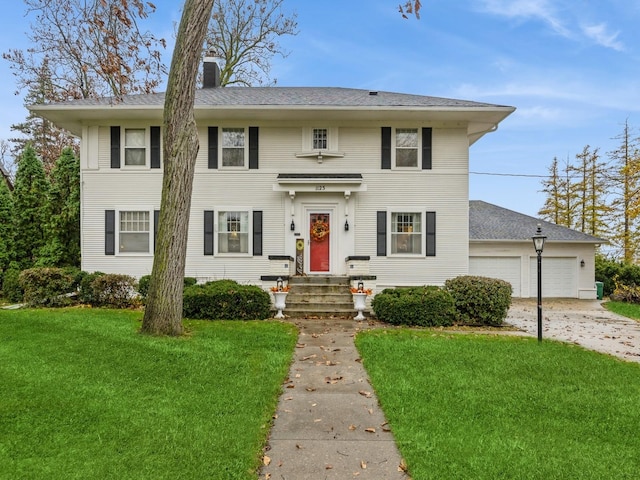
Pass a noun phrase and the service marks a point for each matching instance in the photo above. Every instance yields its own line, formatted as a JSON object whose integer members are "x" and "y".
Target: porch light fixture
{"x": 292, "y": 226}
{"x": 346, "y": 225}
{"x": 538, "y": 245}
{"x": 582, "y": 263}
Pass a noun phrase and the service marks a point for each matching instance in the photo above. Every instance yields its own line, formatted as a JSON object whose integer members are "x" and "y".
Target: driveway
{"x": 584, "y": 322}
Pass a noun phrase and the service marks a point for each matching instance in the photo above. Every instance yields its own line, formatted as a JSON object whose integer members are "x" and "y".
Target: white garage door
{"x": 559, "y": 277}
{"x": 504, "y": 268}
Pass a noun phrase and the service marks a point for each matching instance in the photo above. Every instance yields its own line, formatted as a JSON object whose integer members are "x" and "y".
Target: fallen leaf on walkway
{"x": 317, "y": 420}
{"x": 266, "y": 461}
{"x": 310, "y": 389}
{"x": 298, "y": 375}
{"x": 403, "y": 466}
{"x": 329, "y": 363}
{"x": 299, "y": 447}
{"x": 267, "y": 476}
{"x": 291, "y": 386}
{"x": 301, "y": 345}
{"x": 332, "y": 380}
{"x": 370, "y": 430}
{"x": 328, "y": 467}
{"x": 352, "y": 427}
{"x": 308, "y": 357}
{"x": 365, "y": 393}
{"x": 363, "y": 464}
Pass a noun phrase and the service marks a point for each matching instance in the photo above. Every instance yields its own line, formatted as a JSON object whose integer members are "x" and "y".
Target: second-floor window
{"x": 320, "y": 136}
{"x": 406, "y": 147}
{"x": 135, "y": 151}
{"x": 233, "y": 147}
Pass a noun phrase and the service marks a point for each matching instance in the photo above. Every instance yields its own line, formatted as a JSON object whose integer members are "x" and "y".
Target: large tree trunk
{"x": 163, "y": 313}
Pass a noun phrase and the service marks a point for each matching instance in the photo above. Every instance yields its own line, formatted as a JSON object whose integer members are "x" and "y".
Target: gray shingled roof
{"x": 491, "y": 222}
{"x": 291, "y": 97}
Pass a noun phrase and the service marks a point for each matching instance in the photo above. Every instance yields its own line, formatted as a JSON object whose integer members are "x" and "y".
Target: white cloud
{"x": 599, "y": 34}
{"x": 527, "y": 9}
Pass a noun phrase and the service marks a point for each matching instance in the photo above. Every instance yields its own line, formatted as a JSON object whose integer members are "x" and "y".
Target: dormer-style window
{"x": 320, "y": 136}
{"x": 233, "y": 147}
{"x": 319, "y": 143}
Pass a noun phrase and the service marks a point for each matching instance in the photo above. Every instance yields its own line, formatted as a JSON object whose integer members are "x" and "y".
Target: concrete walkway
{"x": 328, "y": 423}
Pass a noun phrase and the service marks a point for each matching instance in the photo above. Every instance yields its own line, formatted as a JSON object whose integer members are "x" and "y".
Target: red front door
{"x": 319, "y": 243}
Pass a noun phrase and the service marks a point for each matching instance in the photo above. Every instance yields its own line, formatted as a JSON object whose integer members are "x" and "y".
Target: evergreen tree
{"x": 29, "y": 197}
{"x": 625, "y": 190}
{"x": 6, "y": 228}
{"x": 62, "y": 247}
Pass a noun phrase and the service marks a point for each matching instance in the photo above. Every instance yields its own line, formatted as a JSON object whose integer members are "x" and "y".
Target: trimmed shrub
{"x": 85, "y": 289}
{"x": 46, "y": 287}
{"x": 11, "y": 289}
{"x": 143, "y": 284}
{"x": 226, "y": 300}
{"x": 480, "y": 300}
{"x": 114, "y": 291}
{"x": 420, "y": 306}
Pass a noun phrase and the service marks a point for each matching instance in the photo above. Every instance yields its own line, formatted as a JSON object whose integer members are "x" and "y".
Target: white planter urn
{"x": 359, "y": 304}
{"x": 280, "y": 299}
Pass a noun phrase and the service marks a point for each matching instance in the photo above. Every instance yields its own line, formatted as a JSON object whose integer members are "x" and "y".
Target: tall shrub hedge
{"x": 46, "y": 287}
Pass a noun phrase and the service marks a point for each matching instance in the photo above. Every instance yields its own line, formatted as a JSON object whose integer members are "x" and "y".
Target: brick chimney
{"x": 211, "y": 72}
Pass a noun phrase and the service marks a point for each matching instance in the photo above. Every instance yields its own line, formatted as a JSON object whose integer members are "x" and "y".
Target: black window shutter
{"x": 156, "y": 222}
{"x": 430, "y": 234}
{"x": 115, "y": 147}
{"x": 213, "y": 148}
{"x": 382, "y": 234}
{"x": 155, "y": 147}
{"x": 208, "y": 232}
{"x": 253, "y": 147}
{"x": 257, "y": 233}
{"x": 426, "y": 148}
{"x": 109, "y": 232}
{"x": 386, "y": 148}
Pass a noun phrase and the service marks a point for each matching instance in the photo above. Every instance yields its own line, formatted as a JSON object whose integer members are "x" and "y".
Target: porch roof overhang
{"x": 319, "y": 182}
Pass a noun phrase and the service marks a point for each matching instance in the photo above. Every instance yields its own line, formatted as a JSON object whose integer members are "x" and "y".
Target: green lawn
{"x": 629, "y": 310}
{"x": 466, "y": 406}
{"x": 84, "y": 396}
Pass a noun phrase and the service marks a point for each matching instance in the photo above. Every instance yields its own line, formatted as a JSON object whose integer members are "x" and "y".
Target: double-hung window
{"x": 233, "y": 147}
{"x": 134, "y": 232}
{"x": 233, "y": 232}
{"x": 406, "y": 233}
{"x": 135, "y": 151}
{"x": 406, "y": 147}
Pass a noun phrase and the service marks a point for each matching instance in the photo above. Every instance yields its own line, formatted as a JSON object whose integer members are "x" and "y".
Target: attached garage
{"x": 559, "y": 277}
{"x": 504, "y": 268}
{"x": 500, "y": 246}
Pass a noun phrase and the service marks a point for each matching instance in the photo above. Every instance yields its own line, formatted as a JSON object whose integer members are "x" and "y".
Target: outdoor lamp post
{"x": 538, "y": 245}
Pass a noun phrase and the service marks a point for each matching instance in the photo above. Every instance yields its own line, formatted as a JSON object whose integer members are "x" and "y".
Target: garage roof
{"x": 491, "y": 222}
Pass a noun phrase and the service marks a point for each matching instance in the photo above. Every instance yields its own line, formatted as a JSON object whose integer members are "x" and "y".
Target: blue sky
{"x": 570, "y": 67}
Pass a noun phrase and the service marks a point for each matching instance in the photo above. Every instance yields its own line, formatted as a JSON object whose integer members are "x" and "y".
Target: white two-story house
{"x": 288, "y": 181}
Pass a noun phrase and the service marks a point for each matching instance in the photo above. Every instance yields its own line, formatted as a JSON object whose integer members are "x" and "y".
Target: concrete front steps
{"x": 319, "y": 296}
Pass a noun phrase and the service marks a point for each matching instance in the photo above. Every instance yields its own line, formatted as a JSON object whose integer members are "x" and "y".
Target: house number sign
{"x": 320, "y": 188}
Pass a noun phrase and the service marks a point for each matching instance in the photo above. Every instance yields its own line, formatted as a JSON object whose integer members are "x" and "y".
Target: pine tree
{"x": 7, "y": 254}
{"x": 625, "y": 190}
{"x": 30, "y": 197}
{"x": 62, "y": 247}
